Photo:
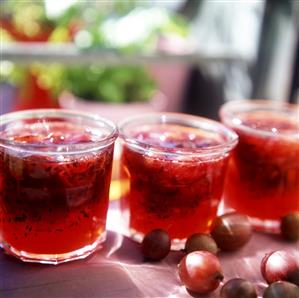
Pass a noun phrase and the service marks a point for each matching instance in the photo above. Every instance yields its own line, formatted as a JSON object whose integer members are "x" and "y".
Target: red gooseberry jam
{"x": 174, "y": 167}
{"x": 263, "y": 175}
{"x": 54, "y": 185}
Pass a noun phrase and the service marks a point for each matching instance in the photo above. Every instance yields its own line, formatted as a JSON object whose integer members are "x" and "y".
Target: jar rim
{"x": 228, "y": 114}
{"x": 52, "y": 148}
{"x": 229, "y": 142}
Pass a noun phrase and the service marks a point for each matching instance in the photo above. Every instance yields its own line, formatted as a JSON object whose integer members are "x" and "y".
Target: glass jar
{"x": 55, "y": 171}
{"x": 172, "y": 173}
{"x": 263, "y": 174}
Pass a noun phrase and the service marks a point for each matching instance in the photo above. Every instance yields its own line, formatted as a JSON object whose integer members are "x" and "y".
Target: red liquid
{"x": 52, "y": 204}
{"x": 263, "y": 174}
{"x": 178, "y": 195}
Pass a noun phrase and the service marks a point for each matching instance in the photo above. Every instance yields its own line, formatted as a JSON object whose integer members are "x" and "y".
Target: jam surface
{"x": 180, "y": 195}
{"x": 263, "y": 174}
{"x": 50, "y": 133}
{"x": 53, "y": 203}
{"x": 176, "y": 137}
{"x": 271, "y": 121}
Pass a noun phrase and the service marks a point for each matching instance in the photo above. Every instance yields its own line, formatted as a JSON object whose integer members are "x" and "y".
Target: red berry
{"x": 156, "y": 245}
{"x": 281, "y": 289}
{"x": 290, "y": 226}
{"x": 200, "y": 241}
{"x": 277, "y": 265}
{"x": 200, "y": 272}
{"x": 293, "y": 276}
{"x": 238, "y": 288}
{"x": 231, "y": 231}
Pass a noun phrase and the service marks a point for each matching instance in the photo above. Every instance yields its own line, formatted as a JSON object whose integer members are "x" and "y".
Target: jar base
{"x": 265, "y": 225}
{"x": 54, "y": 259}
{"x": 271, "y": 226}
{"x": 176, "y": 244}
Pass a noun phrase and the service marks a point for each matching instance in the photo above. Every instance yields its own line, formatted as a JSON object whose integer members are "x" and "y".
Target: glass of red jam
{"x": 55, "y": 171}
{"x": 263, "y": 175}
{"x": 172, "y": 173}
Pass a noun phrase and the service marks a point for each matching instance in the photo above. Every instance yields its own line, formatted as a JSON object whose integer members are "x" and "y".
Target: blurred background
{"x": 120, "y": 58}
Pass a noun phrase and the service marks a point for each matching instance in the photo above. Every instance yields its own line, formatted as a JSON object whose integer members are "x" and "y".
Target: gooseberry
{"x": 156, "y": 245}
{"x": 293, "y": 276}
{"x": 238, "y": 288}
{"x": 276, "y": 265}
{"x": 289, "y": 226}
{"x": 200, "y": 272}
{"x": 200, "y": 241}
{"x": 231, "y": 231}
{"x": 281, "y": 289}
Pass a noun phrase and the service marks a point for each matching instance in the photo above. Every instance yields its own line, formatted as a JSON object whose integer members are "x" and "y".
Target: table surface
{"x": 118, "y": 270}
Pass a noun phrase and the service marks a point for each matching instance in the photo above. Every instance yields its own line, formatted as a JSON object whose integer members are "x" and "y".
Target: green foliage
{"x": 113, "y": 84}
{"x": 94, "y": 26}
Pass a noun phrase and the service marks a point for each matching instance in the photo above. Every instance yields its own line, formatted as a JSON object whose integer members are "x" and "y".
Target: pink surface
{"x": 115, "y": 112}
{"x": 118, "y": 270}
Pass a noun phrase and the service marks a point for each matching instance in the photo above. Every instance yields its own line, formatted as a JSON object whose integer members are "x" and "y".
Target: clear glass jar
{"x": 263, "y": 174}
{"x": 172, "y": 173}
{"x": 55, "y": 171}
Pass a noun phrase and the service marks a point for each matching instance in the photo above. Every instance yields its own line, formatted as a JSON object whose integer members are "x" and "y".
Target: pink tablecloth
{"x": 118, "y": 270}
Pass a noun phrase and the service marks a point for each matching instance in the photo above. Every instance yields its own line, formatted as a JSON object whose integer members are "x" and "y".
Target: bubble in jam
{"x": 169, "y": 184}
{"x": 54, "y": 198}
